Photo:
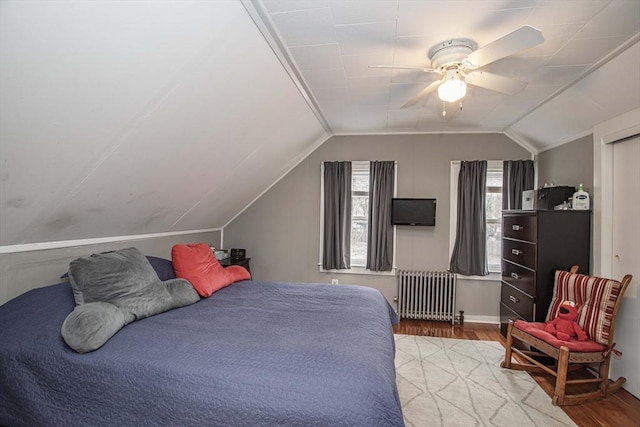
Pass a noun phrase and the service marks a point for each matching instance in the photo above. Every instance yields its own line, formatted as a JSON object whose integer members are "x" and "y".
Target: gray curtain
{"x": 469, "y": 255}
{"x": 380, "y": 234}
{"x": 517, "y": 176}
{"x": 336, "y": 252}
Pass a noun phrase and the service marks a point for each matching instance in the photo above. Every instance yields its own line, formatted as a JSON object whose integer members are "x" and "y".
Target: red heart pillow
{"x": 197, "y": 264}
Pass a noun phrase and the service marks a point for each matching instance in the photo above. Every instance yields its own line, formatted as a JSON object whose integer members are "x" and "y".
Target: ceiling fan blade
{"x": 420, "y": 95}
{"x": 494, "y": 82}
{"x": 520, "y": 39}
{"x": 426, "y": 70}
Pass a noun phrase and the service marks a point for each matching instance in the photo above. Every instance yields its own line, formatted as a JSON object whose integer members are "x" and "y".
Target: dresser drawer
{"x": 519, "y": 277}
{"x": 517, "y": 301}
{"x": 507, "y": 314}
{"x": 519, "y": 252}
{"x": 521, "y": 227}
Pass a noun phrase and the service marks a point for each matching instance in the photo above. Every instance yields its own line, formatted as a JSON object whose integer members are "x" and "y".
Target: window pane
{"x": 359, "y": 216}
{"x": 359, "y": 241}
{"x": 359, "y": 207}
{"x": 494, "y": 206}
{"x": 494, "y": 219}
{"x": 494, "y": 245}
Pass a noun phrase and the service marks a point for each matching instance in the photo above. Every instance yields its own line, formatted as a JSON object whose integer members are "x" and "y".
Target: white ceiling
{"x": 331, "y": 43}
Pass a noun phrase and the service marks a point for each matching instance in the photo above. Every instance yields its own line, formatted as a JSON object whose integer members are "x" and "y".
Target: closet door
{"x": 625, "y": 248}
{"x": 626, "y": 211}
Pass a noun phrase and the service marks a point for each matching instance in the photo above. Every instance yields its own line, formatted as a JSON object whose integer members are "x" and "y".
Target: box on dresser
{"x": 536, "y": 243}
{"x": 546, "y": 197}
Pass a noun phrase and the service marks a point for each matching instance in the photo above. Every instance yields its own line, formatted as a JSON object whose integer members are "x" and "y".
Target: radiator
{"x": 427, "y": 295}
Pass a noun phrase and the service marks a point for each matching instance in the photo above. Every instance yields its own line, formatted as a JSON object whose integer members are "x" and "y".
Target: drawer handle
{"x": 515, "y": 275}
{"x": 517, "y": 227}
{"x": 516, "y": 251}
{"x": 514, "y": 299}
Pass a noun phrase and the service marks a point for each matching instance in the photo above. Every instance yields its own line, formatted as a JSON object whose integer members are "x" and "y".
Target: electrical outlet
{"x": 334, "y": 281}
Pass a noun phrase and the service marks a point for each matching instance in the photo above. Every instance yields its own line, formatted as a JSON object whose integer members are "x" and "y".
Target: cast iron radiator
{"x": 427, "y": 295}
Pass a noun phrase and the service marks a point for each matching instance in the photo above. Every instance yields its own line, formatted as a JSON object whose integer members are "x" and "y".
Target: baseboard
{"x": 470, "y": 318}
{"x": 493, "y": 320}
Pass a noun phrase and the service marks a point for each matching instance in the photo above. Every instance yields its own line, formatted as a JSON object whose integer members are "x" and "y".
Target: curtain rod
{"x": 353, "y": 161}
{"x": 457, "y": 162}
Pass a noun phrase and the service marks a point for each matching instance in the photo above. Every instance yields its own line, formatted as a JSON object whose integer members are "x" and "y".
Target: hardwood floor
{"x": 620, "y": 410}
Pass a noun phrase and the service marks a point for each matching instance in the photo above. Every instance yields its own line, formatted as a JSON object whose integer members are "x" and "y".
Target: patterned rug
{"x": 451, "y": 382}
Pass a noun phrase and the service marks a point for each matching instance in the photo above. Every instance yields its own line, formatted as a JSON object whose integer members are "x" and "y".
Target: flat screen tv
{"x": 413, "y": 212}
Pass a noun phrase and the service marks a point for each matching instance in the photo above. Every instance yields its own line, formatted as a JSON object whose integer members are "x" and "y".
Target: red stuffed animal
{"x": 564, "y": 326}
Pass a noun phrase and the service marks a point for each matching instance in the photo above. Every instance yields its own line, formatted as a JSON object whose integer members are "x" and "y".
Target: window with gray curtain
{"x": 380, "y": 238}
{"x": 517, "y": 176}
{"x": 336, "y": 251}
{"x": 469, "y": 252}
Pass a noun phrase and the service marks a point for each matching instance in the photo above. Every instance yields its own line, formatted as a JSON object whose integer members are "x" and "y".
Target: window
{"x": 494, "y": 217}
{"x": 360, "y": 223}
{"x": 493, "y": 209}
{"x": 359, "y": 213}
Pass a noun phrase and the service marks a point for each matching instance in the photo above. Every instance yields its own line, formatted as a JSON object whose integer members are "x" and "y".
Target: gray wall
{"x": 281, "y": 230}
{"x": 569, "y": 164}
{"x": 22, "y": 271}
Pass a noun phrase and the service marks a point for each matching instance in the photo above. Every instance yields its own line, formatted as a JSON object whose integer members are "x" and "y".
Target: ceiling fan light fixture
{"x": 452, "y": 89}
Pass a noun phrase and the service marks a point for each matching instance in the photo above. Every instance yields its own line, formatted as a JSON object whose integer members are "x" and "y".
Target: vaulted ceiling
{"x": 138, "y": 117}
{"x": 584, "y": 72}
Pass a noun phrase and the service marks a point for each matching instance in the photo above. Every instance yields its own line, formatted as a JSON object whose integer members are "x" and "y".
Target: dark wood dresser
{"x": 534, "y": 245}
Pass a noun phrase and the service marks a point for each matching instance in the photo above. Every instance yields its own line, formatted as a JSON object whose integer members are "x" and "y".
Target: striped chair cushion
{"x": 595, "y": 299}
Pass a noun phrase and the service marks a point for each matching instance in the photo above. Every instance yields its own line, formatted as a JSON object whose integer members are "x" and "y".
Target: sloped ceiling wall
{"x": 121, "y": 118}
{"x": 608, "y": 92}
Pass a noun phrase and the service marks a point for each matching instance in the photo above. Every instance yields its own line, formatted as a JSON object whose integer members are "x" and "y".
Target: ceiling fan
{"x": 458, "y": 60}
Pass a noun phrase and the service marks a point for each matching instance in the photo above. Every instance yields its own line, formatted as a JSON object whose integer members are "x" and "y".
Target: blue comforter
{"x": 253, "y": 354}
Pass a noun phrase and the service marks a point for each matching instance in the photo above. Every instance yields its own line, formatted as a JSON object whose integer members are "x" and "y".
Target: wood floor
{"x": 620, "y": 410}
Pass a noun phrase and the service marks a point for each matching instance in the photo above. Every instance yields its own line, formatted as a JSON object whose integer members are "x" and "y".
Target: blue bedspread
{"x": 253, "y": 354}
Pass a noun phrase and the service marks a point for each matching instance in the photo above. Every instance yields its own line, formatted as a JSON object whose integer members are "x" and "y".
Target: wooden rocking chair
{"x": 597, "y": 300}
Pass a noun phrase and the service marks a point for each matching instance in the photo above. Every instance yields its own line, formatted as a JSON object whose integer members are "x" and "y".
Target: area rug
{"x": 451, "y": 382}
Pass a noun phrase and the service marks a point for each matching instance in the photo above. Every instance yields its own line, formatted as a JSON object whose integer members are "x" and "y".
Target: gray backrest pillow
{"x": 113, "y": 289}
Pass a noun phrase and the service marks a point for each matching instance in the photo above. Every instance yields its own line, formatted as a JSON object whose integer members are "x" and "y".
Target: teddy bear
{"x": 564, "y": 326}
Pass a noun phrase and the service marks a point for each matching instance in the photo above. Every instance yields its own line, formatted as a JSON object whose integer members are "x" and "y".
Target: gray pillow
{"x": 162, "y": 266}
{"x": 113, "y": 289}
{"x": 90, "y": 325}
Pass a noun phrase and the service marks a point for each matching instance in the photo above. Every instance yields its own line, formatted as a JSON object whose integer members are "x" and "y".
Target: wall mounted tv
{"x": 413, "y": 212}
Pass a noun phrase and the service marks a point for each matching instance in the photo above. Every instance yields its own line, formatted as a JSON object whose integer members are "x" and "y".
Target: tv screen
{"x": 413, "y": 212}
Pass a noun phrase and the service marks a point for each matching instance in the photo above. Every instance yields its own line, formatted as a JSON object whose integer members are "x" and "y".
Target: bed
{"x": 254, "y": 353}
